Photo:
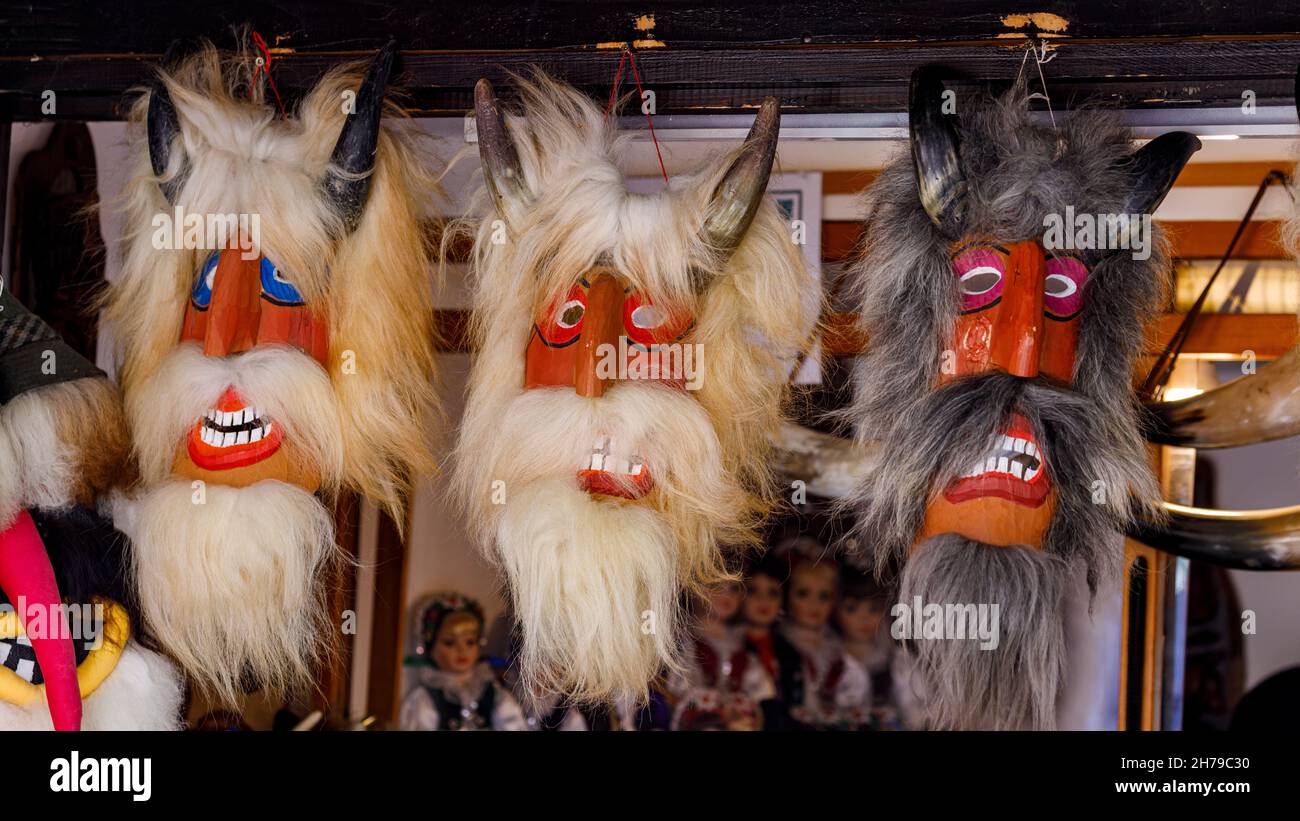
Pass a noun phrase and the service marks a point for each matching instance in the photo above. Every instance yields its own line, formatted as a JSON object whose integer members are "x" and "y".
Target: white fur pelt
{"x": 598, "y": 583}
{"x": 49, "y": 438}
{"x": 230, "y": 580}
{"x": 144, "y": 692}
{"x": 370, "y": 285}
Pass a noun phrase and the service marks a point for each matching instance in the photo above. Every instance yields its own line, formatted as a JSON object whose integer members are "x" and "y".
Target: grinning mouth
{"x": 233, "y": 434}
{"x": 243, "y": 427}
{"x": 1011, "y": 469}
{"x": 610, "y": 473}
{"x": 1014, "y": 455}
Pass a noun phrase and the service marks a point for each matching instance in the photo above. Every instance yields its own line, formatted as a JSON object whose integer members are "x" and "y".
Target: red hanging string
{"x": 266, "y": 67}
{"x": 618, "y": 78}
{"x": 627, "y": 57}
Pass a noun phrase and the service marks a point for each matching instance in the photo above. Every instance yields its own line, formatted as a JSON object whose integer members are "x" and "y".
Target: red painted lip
{"x": 233, "y": 434}
{"x": 609, "y": 473}
{"x": 611, "y": 484}
{"x": 1013, "y": 455}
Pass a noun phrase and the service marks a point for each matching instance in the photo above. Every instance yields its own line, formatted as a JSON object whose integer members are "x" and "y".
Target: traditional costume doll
{"x": 70, "y": 650}
{"x": 861, "y": 618}
{"x": 707, "y": 709}
{"x": 632, "y": 358}
{"x": 997, "y": 380}
{"x": 456, "y": 690}
{"x": 765, "y": 580}
{"x": 717, "y": 656}
{"x": 270, "y": 362}
{"x": 837, "y": 691}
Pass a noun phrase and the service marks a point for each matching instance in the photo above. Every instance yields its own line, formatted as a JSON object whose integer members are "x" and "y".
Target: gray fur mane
{"x": 1017, "y": 173}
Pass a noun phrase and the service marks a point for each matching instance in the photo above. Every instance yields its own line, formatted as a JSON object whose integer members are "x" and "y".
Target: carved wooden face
{"x": 1020, "y": 309}
{"x": 601, "y": 333}
{"x": 238, "y": 305}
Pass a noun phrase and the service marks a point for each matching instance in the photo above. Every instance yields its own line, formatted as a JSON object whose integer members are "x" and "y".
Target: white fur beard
{"x": 143, "y": 692}
{"x": 231, "y": 587}
{"x": 36, "y": 467}
{"x": 597, "y": 582}
{"x": 594, "y": 586}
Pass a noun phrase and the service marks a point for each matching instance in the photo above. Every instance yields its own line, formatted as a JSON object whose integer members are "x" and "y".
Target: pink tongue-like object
{"x": 25, "y": 572}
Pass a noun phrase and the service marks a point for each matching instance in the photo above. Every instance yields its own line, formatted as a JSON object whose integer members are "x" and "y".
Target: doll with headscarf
{"x": 837, "y": 691}
{"x": 456, "y": 690}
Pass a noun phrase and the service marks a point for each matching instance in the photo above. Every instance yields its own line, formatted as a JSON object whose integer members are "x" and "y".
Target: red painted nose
{"x": 1017, "y": 340}
{"x": 601, "y": 326}
{"x": 235, "y": 310}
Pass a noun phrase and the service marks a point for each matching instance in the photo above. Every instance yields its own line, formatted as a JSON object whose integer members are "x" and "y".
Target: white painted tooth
{"x": 255, "y": 435}
{"x": 241, "y": 438}
{"x": 636, "y": 469}
{"x": 1004, "y": 466}
{"x": 227, "y": 439}
{"x": 1017, "y": 470}
{"x": 1031, "y": 449}
{"x": 597, "y": 461}
{"x": 1020, "y": 445}
{"x": 1008, "y": 443}
{"x": 991, "y": 463}
{"x": 212, "y": 416}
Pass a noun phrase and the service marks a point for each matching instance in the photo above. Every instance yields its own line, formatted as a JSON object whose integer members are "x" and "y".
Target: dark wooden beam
{"x": 817, "y": 57}
{"x": 387, "y": 630}
{"x": 49, "y": 27}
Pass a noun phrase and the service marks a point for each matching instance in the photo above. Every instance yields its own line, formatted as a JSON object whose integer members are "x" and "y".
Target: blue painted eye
{"x": 202, "y": 293}
{"x": 277, "y": 289}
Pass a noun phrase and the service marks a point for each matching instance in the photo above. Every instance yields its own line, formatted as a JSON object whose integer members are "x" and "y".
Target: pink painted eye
{"x": 979, "y": 277}
{"x": 1063, "y": 288}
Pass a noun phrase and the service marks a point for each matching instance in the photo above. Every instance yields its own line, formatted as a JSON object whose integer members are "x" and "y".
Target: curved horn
{"x": 737, "y": 197}
{"x": 936, "y": 151}
{"x": 1256, "y": 408}
{"x": 354, "y": 153}
{"x": 164, "y": 125}
{"x": 1154, "y": 167}
{"x": 1244, "y": 539}
{"x": 501, "y": 167}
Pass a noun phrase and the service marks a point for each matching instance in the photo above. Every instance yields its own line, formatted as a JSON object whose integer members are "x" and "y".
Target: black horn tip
{"x": 359, "y": 140}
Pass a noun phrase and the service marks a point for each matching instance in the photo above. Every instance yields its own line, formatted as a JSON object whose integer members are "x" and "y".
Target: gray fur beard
{"x": 1012, "y": 687}
{"x": 949, "y": 429}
